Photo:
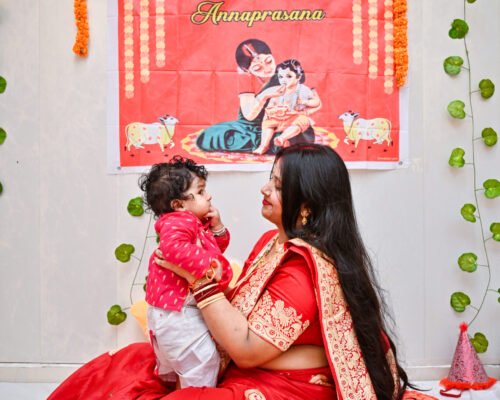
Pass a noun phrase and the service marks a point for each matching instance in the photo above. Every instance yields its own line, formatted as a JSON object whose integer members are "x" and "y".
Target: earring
{"x": 304, "y": 214}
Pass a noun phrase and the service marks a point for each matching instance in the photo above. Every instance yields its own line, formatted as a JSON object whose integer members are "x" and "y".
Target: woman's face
{"x": 263, "y": 66}
{"x": 271, "y": 203}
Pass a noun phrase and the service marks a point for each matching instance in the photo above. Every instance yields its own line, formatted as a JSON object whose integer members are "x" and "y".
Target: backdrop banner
{"x": 227, "y": 83}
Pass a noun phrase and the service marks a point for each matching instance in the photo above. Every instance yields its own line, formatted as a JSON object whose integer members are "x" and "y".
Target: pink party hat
{"x": 466, "y": 370}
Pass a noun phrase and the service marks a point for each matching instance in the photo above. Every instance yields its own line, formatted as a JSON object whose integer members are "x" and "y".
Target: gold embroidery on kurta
{"x": 276, "y": 323}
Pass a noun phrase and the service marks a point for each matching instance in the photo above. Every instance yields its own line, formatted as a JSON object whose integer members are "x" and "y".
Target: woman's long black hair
{"x": 315, "y": 177}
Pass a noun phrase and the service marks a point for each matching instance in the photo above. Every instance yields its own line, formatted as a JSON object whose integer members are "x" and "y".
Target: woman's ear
{"x": 177, "y": 205}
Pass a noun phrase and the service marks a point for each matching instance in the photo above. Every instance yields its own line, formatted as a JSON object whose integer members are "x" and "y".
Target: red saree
{"x": 280, "y": 308}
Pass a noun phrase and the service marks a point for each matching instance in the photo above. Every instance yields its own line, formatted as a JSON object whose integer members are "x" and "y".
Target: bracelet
{"x": 220, "y": 232}
{"x": 216, "y": 297}
{"x": 205, "y": 291}
{"x": 209, "y": 276}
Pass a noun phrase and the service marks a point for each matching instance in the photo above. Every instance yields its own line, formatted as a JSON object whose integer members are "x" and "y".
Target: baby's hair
{"x": 169, "y": 181}
{"x": 294, "y": 66}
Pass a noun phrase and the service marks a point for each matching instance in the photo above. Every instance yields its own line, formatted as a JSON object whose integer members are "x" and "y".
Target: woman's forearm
{"x": 230, "y": 329}
{"x": 251, "y": 105}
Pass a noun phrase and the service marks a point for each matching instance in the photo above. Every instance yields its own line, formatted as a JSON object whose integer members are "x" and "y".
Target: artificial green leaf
{"x": 456, "y": 109}
{"x": 479, "y": 342}
{"x": 459, "y": 29}
{"x": 459, "y": 301}
{"x": 1, "y": 188}
{"x": 3, "y": 84}
{"x": 116, "y": 315}
{"x": 468, "y": 211}
{"x": 123, "y": 252}
{"x": 3, "y": 135}
{"x": 457, "y": 158}
{"x": 135, "y": 207}
{"x": 491, "y": 188}
{"x": 487, "y": 88}
{"x": 467, "y": 262}
{"x": 471, "y": 1}
{"x": 495, "y": 230}
{"x": 453, "y": 65}
{"x": 489, "y": 136}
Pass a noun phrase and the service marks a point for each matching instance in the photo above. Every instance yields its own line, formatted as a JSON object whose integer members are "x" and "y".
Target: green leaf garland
{"x": 123, "y": 252}
{"x": 135, "y": 207}
{"x": 487, "y": 88}
{"x": 453, "y": 65}
{"x": 459, "y": 29}
{"x": 457, "y": 158}
{"x": 456, "y": 109}
{"x": 467, "y": 262}
{"x": 459, "y": 301}
{"x": 489, "y": 136}
{"x": 116, "y": 315}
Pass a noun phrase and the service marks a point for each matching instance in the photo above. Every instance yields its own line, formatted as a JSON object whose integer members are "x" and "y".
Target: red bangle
{"x": 206, "y": 290}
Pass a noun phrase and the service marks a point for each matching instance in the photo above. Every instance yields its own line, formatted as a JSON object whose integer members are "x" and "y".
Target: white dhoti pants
{"x": 183, "y": 346}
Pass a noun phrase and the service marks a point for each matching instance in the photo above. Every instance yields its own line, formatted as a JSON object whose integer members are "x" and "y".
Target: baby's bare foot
{"x": 260, "y": 150}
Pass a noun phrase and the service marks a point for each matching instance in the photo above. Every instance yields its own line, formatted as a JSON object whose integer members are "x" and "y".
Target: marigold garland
{"x": 400, "y": 42}
{"x": 80, "y": 48}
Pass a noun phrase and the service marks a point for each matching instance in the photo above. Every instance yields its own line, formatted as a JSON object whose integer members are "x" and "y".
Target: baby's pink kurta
{"x": 186, "y": 242}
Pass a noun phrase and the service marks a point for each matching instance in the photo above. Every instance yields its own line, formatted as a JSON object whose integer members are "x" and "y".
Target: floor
{"x": 40, "y": 391}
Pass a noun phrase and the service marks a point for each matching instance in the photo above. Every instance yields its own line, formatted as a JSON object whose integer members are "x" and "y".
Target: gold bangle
{"x": 207, "y": 278}
{"x": 210, "y": 300}
{"x": 197, "y": 283}
{"x": 204, "y": 288}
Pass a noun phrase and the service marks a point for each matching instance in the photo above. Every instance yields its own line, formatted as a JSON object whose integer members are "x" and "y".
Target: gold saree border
{"x": 352, "y": 380}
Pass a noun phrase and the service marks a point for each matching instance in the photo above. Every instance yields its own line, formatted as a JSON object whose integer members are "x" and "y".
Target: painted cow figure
{"x": 356, "y": 129}
{"x": 162, "y": 132}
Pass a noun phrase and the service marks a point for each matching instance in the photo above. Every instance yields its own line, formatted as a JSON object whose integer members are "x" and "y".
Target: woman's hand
{"x": 252, "y": 105}
{"x": 172, "y": 267}
{"x": 273, "y": 91}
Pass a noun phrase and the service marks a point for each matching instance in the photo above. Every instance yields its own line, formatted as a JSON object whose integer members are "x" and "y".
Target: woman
{"x": 305, "y": 319}
{"x": 255, "y": 62}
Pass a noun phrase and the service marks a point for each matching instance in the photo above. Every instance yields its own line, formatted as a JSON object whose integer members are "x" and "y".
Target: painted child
{"x": 193, "y": 237}
{"x": 290, "y": 112}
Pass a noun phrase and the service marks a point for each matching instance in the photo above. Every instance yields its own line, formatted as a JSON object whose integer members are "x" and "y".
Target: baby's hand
{"x": 214, "y": 217}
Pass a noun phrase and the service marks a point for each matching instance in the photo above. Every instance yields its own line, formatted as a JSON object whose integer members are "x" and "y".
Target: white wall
{"x": 62, "y": 215}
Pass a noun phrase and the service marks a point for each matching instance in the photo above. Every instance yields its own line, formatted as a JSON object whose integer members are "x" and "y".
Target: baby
{"x": 193, "y": 237}
{"x": 290, "y": 112}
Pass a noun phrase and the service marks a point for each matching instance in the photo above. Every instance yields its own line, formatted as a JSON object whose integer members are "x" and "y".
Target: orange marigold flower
{"x": 80, "y": 48}
{"x": 400, "y": 41}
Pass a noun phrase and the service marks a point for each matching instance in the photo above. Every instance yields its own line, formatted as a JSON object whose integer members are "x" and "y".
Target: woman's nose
{"x": 265, "y": 189}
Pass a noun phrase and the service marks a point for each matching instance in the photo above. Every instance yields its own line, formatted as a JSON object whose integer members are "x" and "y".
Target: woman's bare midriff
{"x": 299, "y": 357}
